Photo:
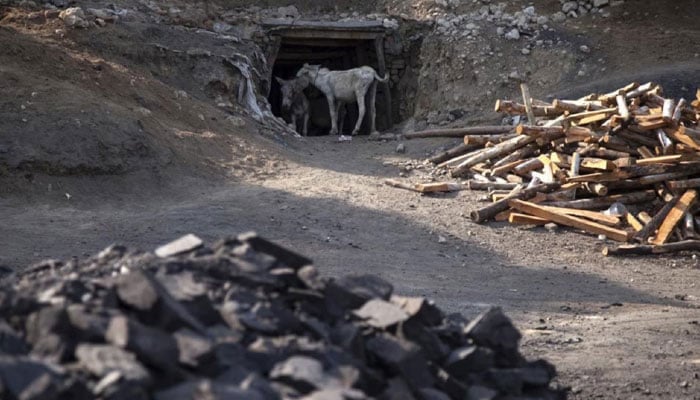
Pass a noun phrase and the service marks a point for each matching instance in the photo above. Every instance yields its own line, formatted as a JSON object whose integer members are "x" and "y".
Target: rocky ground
{"x": 141, "y": 130}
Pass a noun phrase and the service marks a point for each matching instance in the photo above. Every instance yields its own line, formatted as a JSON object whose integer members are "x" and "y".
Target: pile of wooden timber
{"x": 576, "y": 158}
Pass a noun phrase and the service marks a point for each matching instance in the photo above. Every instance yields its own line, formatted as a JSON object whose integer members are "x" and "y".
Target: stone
{"x": 381, "y": 314}
{"x": 569, "y": 6}
{"x": 194, "y": 350}
{"x": 304, "y": 374}
{"x": 401, "y": 148}
{"x": 558, "y": 17}
{"x": 11, "y": 343}
{"x": 469, "y": 359}
{"x": 584, "y": 49}
{"x": 513, "y": 34}
{"x": 600, "y": 3}
{"x": 184, "y": 244}
{"x": 494, "y": 330}
{"x": 401, "y": 356}
{"x": 101, "y": 360}
{"x": 74, "y": 17}
{"x": 205, "y": 389}
{"x": 23, "y": 378}
{"x": 151, "y": 346}
{"x": 352, "y": 291}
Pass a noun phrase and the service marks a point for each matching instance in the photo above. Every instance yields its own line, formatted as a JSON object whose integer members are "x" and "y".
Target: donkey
{"x": 349, "y": 86}
{"x": 294, "y": 101}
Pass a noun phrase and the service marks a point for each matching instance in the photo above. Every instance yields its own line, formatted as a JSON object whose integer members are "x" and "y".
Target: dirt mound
{"x": 127, "y": 98}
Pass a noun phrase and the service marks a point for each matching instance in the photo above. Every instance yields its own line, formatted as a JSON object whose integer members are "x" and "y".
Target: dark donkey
{"x": 295, "y": 103}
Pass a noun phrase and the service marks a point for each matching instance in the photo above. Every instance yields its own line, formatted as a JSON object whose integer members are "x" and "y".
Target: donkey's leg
{"x": 306, "y": 123}
{"x": 294, "y": 122}
{"x": 334, "y": 115}
{"x": 360, "y": 97}
{"x": 373, "y": 107}
{"x": 342, "y": 112}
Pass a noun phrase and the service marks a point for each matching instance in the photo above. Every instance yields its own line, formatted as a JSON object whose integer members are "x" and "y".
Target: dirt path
{"x": 616, "y": 328}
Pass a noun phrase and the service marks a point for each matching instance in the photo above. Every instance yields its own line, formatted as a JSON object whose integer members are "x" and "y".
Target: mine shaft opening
{"x": 336, "y": 46}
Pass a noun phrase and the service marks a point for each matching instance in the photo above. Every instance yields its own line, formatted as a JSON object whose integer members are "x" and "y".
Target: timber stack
{"x": 244, "y": 319}
{"x": 624, "y": 165}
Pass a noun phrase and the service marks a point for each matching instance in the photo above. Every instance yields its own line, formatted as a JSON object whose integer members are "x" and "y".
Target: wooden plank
{"x": 634, "y": 222}
{"x": 609, "y": 220}
{"x": 524, "y": 219}
{"x": 439, "y": 187}
{"x": 568, "y": 220}
{"x": 670, "y": 159}
{"x": 674, "y": 216}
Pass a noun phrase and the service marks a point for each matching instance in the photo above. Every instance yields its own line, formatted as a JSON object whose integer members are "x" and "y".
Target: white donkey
{"x": 349, "y": 86}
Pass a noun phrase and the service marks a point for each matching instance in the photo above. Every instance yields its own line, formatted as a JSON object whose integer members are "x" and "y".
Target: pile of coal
{"x": 244, "y": 319}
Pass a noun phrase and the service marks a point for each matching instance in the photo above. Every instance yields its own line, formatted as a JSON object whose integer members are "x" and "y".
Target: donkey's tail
{"x": 379, "y": 78}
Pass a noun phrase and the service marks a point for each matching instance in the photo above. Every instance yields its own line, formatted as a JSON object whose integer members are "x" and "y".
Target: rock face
{"x": 244, "y": 319}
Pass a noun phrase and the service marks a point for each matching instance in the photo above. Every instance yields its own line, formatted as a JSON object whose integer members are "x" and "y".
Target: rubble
{"x": 623, "y": 165}
{"x": 243, "y": 319}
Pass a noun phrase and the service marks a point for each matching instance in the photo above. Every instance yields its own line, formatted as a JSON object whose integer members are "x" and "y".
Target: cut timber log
{"x": 459, "y": 132}
{"x": 670, "y": 159}
{"x": 527, "y": 101}
{"x": 599, "y": 203}
{"x": 492, "y": 152}
{"x": 622, "y": 107}
{"x": 451, "y": 153}
{"x": 483, "y": 139}
{"x": 513, "y": 108}
{"x": 568, "y": 220}
{"x": 674, "y": 216}
{"x": 684, "y": 184}
{"x": 668, "y": 108}
{"x": 480, "y": 185}
{"x": 538, "y": 130}
{"x": 645, "y": 249}
{"x": 488, "y": 212}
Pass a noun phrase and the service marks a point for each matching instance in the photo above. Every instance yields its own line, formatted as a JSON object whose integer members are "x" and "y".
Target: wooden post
{"x": 381, "y": 70}
{"x": 527, "y": 100}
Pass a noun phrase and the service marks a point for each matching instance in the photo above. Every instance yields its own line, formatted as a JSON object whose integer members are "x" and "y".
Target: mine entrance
{"x": 334, "y": 45}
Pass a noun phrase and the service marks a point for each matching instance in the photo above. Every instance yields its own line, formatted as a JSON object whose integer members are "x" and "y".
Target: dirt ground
{"x": 615, "y": 328}
{"x": 107, "y": 151}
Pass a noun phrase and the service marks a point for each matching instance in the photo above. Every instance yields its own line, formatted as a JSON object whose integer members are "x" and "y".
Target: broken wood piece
{"x": 668, "y": 109}
{"x": 513, "y": 108}
{"x": 568, "y": 220}
{"x": 645, "y": 249}
{"x": 679, "y": 134}
{"x": 439, "y": 187}
{"x": 622, "y": 107}
{"x": 674, "y": 216}
{"x": 577, "y": 106}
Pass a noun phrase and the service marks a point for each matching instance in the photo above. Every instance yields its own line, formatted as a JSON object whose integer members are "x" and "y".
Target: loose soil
{"x": 615, "y": 328}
